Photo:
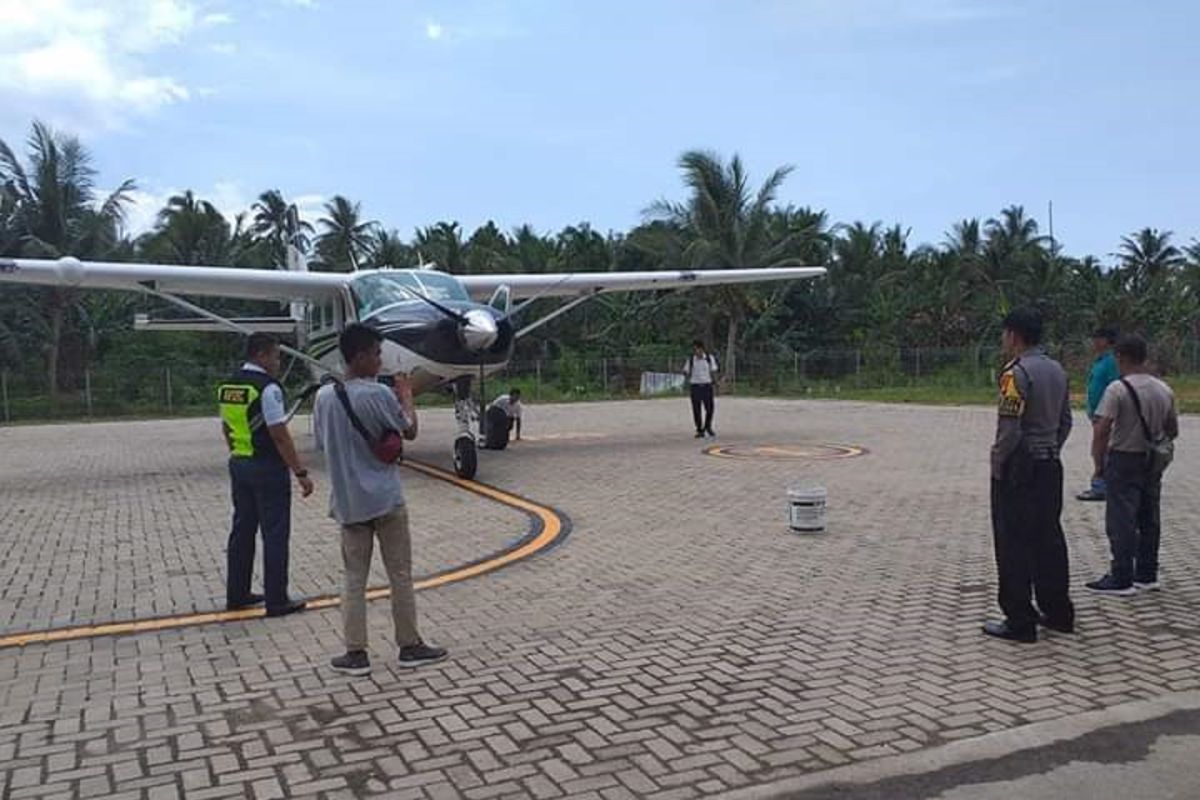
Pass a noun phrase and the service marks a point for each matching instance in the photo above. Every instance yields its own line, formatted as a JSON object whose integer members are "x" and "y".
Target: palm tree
{"x": 724, "y": 223}
{"x": 346, "y": 239}
{"x": 278, "y": 223}
{"x": 190, "y": 231}
{"x": 443, "y": 245}
{"x": 488, "y": 250}
{"x": 1147, "y": 256}
{"x": 387, "y": 249}
{"x": 52, "y": 212}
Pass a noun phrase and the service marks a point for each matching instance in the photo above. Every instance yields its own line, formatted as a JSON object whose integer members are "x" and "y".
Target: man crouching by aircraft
{"x": 353, "y": 423}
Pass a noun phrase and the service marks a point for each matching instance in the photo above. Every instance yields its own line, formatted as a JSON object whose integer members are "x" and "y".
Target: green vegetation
{"x": 891, "y": 320}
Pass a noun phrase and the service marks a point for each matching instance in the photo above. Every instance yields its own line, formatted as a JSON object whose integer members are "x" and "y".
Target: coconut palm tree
{"x": 443, "y": 245}
{"x": 52, "y": 211}
{"x": 278, "y": 223}
{"x": 1147, "y": 256}
{"x": 387, "y": 249}
{"x": 345, "y": 240}
{"x": 725, "y": 223}
{"x": 190, "y": 231}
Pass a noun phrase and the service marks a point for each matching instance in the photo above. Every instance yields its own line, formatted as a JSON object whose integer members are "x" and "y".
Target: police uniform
{"x": 1027, "y": 493}
{"x": 250, "y": 401}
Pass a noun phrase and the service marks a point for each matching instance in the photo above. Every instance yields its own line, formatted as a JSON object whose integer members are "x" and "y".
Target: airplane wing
{"x": 582, "y": 283}
{"x": 255, "y": 284}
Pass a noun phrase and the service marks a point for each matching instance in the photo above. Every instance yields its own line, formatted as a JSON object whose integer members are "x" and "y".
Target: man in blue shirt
{"x": 1103, "y": 372}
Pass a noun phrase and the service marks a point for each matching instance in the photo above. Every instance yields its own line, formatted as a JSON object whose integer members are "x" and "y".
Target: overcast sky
{"x": 552, "y": 112}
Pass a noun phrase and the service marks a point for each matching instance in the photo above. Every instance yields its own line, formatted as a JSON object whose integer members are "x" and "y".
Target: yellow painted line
{"x": 550, "y": 527}
{"x": 794, "y": 452}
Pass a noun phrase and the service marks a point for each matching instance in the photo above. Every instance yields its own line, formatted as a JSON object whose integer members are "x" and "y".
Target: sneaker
{"x": 354, "y": 662}
{"x": 414, "y": 655}
{"x": 710, "y": 433}
{"x": 1110, "y": 585}
{"x": 1147, "y": 586}
{"x": 1090, "y": 495}
{"x": 699, "y": 434}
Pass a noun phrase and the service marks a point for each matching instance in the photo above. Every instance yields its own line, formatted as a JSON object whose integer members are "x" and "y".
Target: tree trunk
{"x": 731, "y": 349}
{"x": 56, "y": 324}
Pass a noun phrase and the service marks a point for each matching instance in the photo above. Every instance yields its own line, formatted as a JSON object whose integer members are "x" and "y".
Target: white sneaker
{"x": 1152, "y": 586}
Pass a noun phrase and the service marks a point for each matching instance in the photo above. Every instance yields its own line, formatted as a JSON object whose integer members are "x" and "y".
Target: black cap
{"x": 1108, "y": 332}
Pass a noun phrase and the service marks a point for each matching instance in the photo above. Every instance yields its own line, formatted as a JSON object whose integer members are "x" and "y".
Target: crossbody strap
{"x": 340, "y": 389}
{"x": 1137, "y": 404}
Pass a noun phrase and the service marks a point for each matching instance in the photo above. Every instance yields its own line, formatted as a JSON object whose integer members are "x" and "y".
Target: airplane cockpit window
{"x": 382, "y": 290}
{"x": 439, "y": 286}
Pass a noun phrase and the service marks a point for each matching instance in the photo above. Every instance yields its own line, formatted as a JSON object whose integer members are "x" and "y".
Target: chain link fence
{"x": 163, "y": 391}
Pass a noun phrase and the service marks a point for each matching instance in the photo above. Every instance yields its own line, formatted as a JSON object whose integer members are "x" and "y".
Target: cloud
{"x": 90, "y": 57}
{"x": 211, "y": 20}
{"x": 433, "y": 31}
{"x": 223, "y": 48}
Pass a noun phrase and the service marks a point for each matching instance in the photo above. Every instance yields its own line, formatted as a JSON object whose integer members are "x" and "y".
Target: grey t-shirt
{"x": 1158, "y": 405}
{"x": 361, "y": 486}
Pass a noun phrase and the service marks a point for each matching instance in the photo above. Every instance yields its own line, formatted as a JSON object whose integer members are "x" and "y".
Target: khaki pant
{"x": 396, "y": 547}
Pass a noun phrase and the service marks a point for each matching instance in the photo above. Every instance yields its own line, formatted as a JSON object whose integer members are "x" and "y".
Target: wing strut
{"x": 556, "y": 312}
{"x": 233, "y": 326}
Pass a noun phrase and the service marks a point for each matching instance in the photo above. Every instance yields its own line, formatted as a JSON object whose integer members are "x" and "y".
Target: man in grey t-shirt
{"x": 1134, "y": 488}
{"x": 366, "y": 497}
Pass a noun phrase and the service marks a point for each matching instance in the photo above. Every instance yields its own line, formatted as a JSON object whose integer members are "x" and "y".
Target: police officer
{"x": 1027, "y": 486}
{"x": 254, "y": 420}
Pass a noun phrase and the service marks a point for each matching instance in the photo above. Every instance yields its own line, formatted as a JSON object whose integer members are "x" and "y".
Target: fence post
{"x": 4, "y": 394}
{"x": 170, "y": 404}
{"x": 917, "y": 352}
{"x": 537, "y": 387}
{"x": 87, "y": 389}
{"x": 604, "y": 375}
{"x": 795, "y": 366}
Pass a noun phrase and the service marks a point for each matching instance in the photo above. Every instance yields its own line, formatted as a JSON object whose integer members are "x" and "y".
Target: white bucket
{"x": 807, "y": 508}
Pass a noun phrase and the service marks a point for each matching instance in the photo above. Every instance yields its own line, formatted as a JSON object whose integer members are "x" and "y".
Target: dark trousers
{"x": 262, "y": 498}
{"x": 1031, "y": 551}
{"x": 702, "y": 395}
{"x": 1131, "y": 517}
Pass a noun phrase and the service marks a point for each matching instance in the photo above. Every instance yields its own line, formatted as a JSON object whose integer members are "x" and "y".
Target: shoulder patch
{"x": 1012, "y": 404}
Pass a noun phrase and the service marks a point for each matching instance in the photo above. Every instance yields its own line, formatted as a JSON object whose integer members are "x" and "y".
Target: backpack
{"x": 1161, "y": 448}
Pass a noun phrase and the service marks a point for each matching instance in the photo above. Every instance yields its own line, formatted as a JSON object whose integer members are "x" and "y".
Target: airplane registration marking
{"x": 787, "y": 452}
{"x": 548, "y": 528}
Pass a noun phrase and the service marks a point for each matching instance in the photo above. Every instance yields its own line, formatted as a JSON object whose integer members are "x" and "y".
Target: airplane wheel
{"x": 465, "y": 460}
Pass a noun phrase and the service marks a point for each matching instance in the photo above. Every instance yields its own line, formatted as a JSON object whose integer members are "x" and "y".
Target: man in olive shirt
{"x": 1132, "y": 406}
{"x": 1027, "y": 486}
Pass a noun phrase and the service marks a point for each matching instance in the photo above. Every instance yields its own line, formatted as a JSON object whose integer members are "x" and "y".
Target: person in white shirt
{"x": 503, "y": 416}
{"x": 700, "y": 369}
{"x": 510, "y": 404}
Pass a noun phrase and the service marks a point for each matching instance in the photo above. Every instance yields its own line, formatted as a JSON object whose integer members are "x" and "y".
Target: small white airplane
{"x": 441, "y": 330}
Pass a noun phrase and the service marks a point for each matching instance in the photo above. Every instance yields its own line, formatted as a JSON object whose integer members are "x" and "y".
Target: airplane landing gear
{"x": 466, "y": 459}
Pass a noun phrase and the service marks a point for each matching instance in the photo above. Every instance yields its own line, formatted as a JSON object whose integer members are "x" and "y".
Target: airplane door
{"x": 501, "y": 299}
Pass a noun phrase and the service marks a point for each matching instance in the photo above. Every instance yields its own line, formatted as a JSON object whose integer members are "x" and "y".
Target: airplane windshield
{"x": 382, "y": 290}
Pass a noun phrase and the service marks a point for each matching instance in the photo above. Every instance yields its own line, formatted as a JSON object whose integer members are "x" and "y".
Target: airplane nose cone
{"x": 480, "y": 330}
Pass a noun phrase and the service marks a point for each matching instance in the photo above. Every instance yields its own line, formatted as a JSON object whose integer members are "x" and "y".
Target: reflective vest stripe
{"x": 234, "y": 400}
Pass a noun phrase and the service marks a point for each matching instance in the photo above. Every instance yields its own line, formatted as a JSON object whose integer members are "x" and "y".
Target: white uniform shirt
{"x": 274, "y": 411}
{"x": 702, "y": 368}
{"x": 510, "y": 406}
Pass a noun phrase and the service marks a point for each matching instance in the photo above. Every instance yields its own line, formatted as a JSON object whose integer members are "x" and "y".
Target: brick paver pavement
{"x": 681, "y": 643}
